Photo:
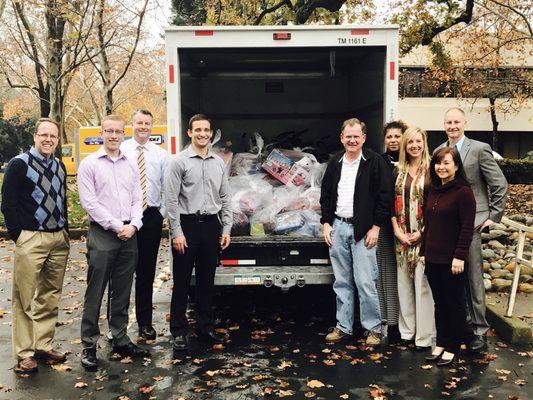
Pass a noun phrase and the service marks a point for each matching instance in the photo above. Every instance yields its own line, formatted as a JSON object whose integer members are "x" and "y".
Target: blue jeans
{"x": 354, "y": 266}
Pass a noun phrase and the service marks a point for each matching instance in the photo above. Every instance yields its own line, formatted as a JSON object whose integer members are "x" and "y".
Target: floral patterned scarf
{"x": 407, "y": 255}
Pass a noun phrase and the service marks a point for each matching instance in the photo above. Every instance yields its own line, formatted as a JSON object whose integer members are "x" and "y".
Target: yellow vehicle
{"x": 87, "y": 139}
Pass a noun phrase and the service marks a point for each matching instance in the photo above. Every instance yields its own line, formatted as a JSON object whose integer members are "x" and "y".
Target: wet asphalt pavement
{"x": 276, "y": 350}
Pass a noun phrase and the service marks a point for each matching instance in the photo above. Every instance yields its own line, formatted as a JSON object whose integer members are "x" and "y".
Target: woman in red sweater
{"x": 449, "y": 223}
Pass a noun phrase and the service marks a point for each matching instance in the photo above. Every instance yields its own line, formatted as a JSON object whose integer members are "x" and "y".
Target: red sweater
{"x": 449, "y": 223}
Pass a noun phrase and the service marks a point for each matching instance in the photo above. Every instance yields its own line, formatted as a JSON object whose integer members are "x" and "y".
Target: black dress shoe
{"x": 147, "y": 332}
{"x": 478, "y": 344}
{"x": 406, "y": 342}
{"x": 211, "y": 337}
{"x": 422, "y": 348}
{"x": 447, "y": 363}
{"x": 180, "y": 343}
{"x": 434, "y": 357}
{"x": 130, "y": 350}
{"x": 88, "y": 359}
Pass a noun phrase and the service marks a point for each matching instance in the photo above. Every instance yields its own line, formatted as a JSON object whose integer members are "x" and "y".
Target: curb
{"x": 512, "y": 329}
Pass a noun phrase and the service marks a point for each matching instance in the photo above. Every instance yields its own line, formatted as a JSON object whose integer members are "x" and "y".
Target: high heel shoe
{"x": 434, "y": 357}
{"x": 447, "y": 363}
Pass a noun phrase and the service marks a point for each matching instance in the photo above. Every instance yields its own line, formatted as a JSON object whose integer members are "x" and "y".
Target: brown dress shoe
{"x": 28, "y": 364}
{"x": 51, "y": 357}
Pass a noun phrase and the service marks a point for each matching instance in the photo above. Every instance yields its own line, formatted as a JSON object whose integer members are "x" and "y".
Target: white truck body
{"x": 272, "y": 79}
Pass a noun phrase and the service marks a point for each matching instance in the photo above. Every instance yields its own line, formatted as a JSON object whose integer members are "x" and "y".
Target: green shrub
{"x": 517, "y": 171}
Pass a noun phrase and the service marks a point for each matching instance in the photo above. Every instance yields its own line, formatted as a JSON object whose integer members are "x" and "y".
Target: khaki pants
{"x": 39, "y": 268}
{"x": 417, "y": 310}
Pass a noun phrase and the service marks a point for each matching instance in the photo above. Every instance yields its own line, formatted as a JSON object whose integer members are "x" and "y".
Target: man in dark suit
{"x": 490, "y": 190}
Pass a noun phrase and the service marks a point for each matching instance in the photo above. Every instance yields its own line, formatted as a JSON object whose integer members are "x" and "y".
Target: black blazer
{"x": 372, "y": 195}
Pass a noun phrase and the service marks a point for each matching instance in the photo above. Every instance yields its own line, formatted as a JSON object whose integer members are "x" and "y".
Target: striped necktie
{"x": 142, "y": 173}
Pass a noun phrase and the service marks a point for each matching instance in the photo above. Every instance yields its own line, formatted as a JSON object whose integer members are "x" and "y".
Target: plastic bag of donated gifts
{"x": 248, "y": 163}
{"x": 311, "y": 227}
{"x": 288, "y": 222}
{"x": 249, "y": 193}
{"x": 222, "y": 151}
{"x": 290, "y": 167}
{"x": 241, "y": 224}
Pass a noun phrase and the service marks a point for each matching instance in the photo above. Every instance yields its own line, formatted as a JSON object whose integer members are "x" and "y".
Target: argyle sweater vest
{"x": 34, "y": 195}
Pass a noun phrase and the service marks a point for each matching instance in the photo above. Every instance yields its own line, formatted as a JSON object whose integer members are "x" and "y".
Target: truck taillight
{"x": 282, "y": 36}
{"x": 360, "y": 32}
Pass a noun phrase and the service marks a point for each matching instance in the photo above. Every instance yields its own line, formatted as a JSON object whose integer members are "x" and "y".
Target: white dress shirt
{"x": 156, "y": 162}
{"x": 346, "y": 187}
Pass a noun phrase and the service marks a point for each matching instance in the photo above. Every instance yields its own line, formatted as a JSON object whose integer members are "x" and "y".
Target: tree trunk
{"x": 495, "y": 124}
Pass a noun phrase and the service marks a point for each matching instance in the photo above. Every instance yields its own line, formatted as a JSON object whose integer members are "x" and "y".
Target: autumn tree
{"x": 487, "y": 56}
{"x": 268, "y": 12}
{"x": 53, "y": 54}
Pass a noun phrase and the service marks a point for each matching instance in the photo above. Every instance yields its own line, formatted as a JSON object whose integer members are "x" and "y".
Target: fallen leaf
{"x": 375, "y": 356}
{"x": 123, "y": 398}
{"x": 146, "y": 389}
{"x": 80, "y": 385}
{"x": 259, "y": 377}
{"x": 284, "y": 364}
{"x": 218, "y": 346}
{"x": 328, "y": 362}
{"x": 427, "y": 366}
{"x": 158, "y": 378}
{"x": 310, "y": 394}
{"x": 61, "y": 367}
{"x": 2, "y": 312}
{"x": 313, "y": 384}
{"x": 344, "y": 396}
{"x": 285, "y": 393}
{"x": 126, "y": 360}
{"x": 520, "y": 382}
{"x": 267, "y": 391}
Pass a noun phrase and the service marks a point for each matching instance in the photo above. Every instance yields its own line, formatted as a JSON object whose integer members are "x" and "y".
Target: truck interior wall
{"x": 271, "y": 91}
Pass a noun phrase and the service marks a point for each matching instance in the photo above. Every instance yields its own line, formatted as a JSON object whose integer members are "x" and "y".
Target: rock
{"x": 486, "y": 267}
{"x": 525, "y": 270}
{"x": 486, "y": 276}
{"x": 514, "y": 236}
{"x": 525, "y": 288}
{"x": 488, "y": 254}
{"x": 509, "y": 277}
{"x": 488, "y": 284}
{"x": 498, "y": 226}
{"x": 501, "y": 261}
{"x": 496, "y": 265}
{"x": 525, "y": 279}
{"x": 510, "y": 267}
{"x": 509, "y": 255}
{"x": 519, "y": 218}
{"x": 501, "y": 285}
{"x": 529, "y": 220}
{"x": 497, "y": 233}
{"x": 496, "y": 245}
{"x": 499, "y": 273}
{"x": 500, "y": 252}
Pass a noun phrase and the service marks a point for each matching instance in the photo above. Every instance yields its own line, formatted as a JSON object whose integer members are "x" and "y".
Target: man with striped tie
{"x": 152, "y": 161}
{"x": 110, "y": 192}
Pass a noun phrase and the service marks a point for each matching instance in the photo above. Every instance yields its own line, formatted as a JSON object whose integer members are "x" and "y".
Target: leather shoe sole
{"x": 51, "y": 357}
{"x": 434, "y": 358}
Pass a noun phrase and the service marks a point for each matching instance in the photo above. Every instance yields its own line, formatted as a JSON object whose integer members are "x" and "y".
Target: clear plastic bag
{"x": 248, "y": 163}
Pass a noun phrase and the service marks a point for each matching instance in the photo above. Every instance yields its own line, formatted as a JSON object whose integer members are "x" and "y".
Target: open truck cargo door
{"x": 302, "y": 81}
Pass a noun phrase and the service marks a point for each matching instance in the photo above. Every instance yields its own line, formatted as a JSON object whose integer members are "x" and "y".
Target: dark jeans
{"x": 201, "y": 253}
{"x": 450, "y": 305}
{"x": 110, "y": 260}
{"x": 148, "y": 240}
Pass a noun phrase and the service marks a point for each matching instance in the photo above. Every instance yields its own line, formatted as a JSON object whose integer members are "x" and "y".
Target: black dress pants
{"x": 148, "y": 240}
{"x": 201, "y": 253}
{"x": 450, "y": 305}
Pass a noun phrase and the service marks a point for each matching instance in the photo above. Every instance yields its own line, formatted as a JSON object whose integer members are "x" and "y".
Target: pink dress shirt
{"x": 110, "y": 191}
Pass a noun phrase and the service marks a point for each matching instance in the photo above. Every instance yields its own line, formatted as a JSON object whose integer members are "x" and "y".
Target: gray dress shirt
{"x": 196, "y": 185}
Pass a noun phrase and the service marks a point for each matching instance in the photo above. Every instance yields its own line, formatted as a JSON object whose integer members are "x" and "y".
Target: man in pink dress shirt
{"x": 110, "y": 192}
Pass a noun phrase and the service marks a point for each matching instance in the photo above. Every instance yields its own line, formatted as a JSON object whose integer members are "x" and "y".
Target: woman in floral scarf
{"x": 416, "y": 322}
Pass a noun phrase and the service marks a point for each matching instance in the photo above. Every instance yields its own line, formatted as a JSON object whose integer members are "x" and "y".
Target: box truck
{"x": 273, "y": 80}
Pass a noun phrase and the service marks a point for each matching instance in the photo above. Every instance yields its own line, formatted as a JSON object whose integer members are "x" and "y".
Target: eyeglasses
{"x": 115, "y": 131}
{"x": 45, "y": 136}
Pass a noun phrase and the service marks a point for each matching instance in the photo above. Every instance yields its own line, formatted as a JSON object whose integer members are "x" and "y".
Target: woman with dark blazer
{"x": 449, "y": 214}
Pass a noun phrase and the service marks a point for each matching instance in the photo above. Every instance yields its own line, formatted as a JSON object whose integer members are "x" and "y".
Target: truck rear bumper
{"x": 282, "y": 277}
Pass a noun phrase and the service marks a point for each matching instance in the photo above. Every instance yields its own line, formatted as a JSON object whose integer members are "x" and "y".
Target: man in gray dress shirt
{"x": 490, "y": 190}
{"x": 197, "y": 199}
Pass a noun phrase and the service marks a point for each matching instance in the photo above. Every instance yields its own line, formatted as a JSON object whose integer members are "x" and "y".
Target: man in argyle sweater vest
{"x": 34, "y": 205}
